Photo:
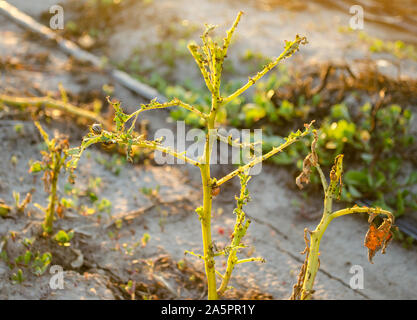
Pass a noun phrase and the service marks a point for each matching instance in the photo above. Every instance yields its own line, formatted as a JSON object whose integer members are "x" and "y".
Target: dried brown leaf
{"x": 377, "y": 238}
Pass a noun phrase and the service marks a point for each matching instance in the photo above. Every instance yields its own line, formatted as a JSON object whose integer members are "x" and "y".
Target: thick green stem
{"x": 207, "y": 204}
{"x": 313, "y": 257}
{"x": 315, "y": 238}
{"x": 313, "y": 262}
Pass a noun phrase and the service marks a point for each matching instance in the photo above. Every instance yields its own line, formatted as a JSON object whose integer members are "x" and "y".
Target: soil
{"x": 104, "y": 257}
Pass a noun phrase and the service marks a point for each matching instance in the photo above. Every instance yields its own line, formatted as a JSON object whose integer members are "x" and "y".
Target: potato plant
{"x": 376, "y": 238}
{"x": 52, "y": 163}
{"x": 210, "y": 57}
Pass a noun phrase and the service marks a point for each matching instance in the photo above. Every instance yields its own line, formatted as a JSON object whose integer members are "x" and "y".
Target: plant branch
{"x": 371, "y": 211}
{"x": 290, "y": 140}
{"x": 175, "y": 102}
{"x": 234, "y": 143}
{"x": 194, "y": 254}
{"x": 290, "y": 48}
{"x": 52, "y": 104}
{"x": 260, "y": 259}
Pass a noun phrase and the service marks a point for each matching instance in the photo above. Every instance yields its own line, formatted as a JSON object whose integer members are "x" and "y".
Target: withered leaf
{"x": 377, "y": 238}
{"x": 310, "y": 161}
{"x": 304, "y": 176}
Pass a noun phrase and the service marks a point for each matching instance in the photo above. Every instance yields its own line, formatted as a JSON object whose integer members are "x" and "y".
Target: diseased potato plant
{"x": 376, "y": 238}
{"x": 52, "y": 163}
{"x": 210, "y": 57}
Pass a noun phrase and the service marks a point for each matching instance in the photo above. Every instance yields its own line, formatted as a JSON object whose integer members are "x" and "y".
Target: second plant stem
{"x": 316, "y": 235}
{"x": 313, "y": 255}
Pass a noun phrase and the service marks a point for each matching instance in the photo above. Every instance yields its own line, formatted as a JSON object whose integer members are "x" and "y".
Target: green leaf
{"x": 412, "y": 179}
{"x": 355, "y": 193}
{"x": 356, "y": 178}
{"x": 282, "y": 159}
{"x": 18, "y": 277}
{"x": 286, "y": 110}
{"x": 63, "y": 238}
{"x": 27, "y": 242}
{"x": 104, "y": 205}
{"x": 4, "y": 210}
{"x": 316, "y": 100}
{"x": 400, "y": 203}
{"x": 253, "y": 113}
{"x": 36, "y": 167}
{"x": 367, "y": 157}
{"x": 41, "y": 263}
{"x": 145, "y": 239}
{"x": 379, "y": 179}
{"x": 120, "y": 117}
{"x": 340, "y": 111}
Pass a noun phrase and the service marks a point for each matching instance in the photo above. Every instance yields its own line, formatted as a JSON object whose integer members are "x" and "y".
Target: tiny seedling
{"x": 27, "y": 242}
{"x": 37, "y": 264}
{"x": 18, "y": 278}
{"x": 14, "y": 160}
{"x": 376, "y": 238}
{"x": 18, "y": 128}
{"x": 41, "y": 262}
{"x": 145, "y": 239}
{"x": 52, "y": 163}
{"x": 150, "y": 192}
{"x": 209, "y": 58}
{"x": 23, "y": 259}
{"x": 19, "y": 206}
{"x": 63, "y": 238}
{"x": 104, "y": 205}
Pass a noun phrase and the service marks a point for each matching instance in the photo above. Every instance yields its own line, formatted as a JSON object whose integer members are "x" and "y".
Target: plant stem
{"x": 290, "y": 48}
{"x": 207, "y": 204}
{"x": 346, "y": 211}
{"x": 240, "y": 231}
{"x": 313, "y": 257}
{"x": 260, "y": 159}
{"x": 315, "y": 238}
{"x": 231, "y": 262}
{"x": 49, "y": 218}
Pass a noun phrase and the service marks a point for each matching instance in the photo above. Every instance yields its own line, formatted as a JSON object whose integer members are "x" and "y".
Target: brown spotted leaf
{"x": 377, "y": 238}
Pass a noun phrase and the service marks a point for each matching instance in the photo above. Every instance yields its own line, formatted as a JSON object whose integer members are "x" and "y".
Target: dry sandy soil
{"x": 276, "y": 232}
